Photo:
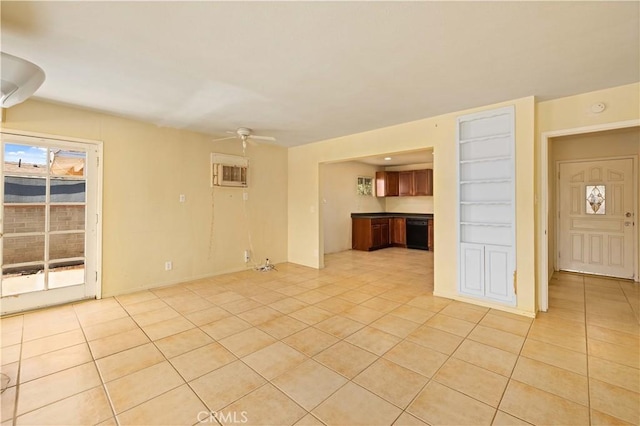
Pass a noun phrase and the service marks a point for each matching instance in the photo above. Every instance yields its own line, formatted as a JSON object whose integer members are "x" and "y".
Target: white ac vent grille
{"x": 229, "y": 170}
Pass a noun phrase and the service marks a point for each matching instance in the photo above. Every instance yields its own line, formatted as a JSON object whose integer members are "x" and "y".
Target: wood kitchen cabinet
{"x": 398, "y": 230}
{"x": 415, "y": 182}
{"x": 386, "y": 184}
{"x": 370, "y": 234}
{"x": 430, "y": 233}
{"x": 405, "y": 183}
{"x": 423, "y": 182}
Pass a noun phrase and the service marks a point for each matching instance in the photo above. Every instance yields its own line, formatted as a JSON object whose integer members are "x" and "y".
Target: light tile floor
{"x": 362, "y": 341}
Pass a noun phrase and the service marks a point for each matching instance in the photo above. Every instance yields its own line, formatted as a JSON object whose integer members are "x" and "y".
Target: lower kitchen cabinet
{"x": 398, "y": 228}
{"x": 430, "y": 233}
{"x": 370, "y": 234}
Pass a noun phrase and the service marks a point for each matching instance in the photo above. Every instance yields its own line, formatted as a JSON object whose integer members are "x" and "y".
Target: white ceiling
{"x": 308, "y": 71}
{"x": 400, "y": 159}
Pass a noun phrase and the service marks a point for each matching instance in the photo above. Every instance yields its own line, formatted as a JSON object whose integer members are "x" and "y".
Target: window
{"x": 595, "y": 199}
{"x": 365, "y": 185}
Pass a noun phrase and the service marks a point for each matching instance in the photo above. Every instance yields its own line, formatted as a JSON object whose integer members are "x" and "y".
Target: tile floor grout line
{"x": 95, "y": 365}
{"x": 165, "y": 360}
{"x": 586, "y": 351}
{"x": 432, "y": 378}
{"x": 100, "y": 374}
{"x": 16, "y": 396}
{"x": 510, "y": 377}
{"x": 55, "y": 372}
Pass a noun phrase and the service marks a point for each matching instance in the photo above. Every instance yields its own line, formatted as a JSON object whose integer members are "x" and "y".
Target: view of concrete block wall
{"x": 21, "y": 219}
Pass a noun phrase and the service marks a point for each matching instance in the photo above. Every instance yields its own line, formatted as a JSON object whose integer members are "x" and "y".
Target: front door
{"x": 49, "y": 222}
{"x": 597, "y": 217}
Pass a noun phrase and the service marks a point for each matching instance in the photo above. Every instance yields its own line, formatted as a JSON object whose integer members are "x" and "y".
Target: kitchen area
{"x": 389, "y": 204}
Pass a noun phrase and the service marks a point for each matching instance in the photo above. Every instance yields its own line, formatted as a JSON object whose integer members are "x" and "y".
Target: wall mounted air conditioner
{"x": 229, "y": 170}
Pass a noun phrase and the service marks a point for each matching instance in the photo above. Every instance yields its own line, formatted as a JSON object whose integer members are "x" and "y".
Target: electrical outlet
{"x": 168, "y": 265}
{"x": 247, "y": 256}
{"x": 182, "y": 198}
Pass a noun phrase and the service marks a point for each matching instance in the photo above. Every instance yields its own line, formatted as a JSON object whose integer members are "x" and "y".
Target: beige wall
{"x": 305, "y": 237}
{"x": 145, "y": 169}
{"x": 573, "y": 112}
{"x": 409, "y": 204}
{"x": 339, "y": 200}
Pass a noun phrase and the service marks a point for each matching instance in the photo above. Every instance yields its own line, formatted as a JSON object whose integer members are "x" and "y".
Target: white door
{"x": 597, "y": 215}
{"x": 49, "y": 222}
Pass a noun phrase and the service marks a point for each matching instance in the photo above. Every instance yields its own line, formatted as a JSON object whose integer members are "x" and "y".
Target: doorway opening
{"x": 582, "y": 171}
{"x": 50, "y": 219}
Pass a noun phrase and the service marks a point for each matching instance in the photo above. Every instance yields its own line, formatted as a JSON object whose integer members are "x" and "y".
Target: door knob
{"x": 628, "y": 214}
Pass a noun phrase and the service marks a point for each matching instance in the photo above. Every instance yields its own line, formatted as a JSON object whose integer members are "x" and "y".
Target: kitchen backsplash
{"x": 409, "y": 204}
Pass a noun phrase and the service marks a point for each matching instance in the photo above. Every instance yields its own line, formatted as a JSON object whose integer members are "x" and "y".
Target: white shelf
{"x": 471, "y": 242}
{"x": 486, "y": 138}
{"x": 486, "y": 203}
{"x": 466, "y": 182}
{"x": 491, "y": 225}
{"x": 486, "y": 159}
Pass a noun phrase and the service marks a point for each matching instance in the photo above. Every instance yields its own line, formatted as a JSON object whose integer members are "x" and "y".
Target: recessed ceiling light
{"x": 387, "y": 158}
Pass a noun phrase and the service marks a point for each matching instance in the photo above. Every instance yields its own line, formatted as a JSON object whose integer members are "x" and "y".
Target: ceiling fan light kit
{"x": 20, "y": 79}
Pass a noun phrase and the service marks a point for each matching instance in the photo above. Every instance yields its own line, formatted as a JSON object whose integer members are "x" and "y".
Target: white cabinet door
{"x": 472, "y": 269}
{"x": 499, "y": 273}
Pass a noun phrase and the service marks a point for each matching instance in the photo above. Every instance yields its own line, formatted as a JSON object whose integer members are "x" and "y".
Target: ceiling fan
{"x": 246, "y": 135}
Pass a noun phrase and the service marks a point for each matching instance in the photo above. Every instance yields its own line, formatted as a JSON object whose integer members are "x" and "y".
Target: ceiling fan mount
{"x": 245, "y": 134}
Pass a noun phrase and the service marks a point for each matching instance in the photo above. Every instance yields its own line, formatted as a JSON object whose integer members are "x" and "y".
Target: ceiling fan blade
{"x": 224, "y": 139}
{"x": 263, "y": 138}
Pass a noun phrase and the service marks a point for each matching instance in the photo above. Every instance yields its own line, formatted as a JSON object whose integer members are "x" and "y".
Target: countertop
{"x": 375, "y": 215}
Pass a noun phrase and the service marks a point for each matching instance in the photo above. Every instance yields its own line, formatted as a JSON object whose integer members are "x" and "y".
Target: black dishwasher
{"x": 417, "y": 234}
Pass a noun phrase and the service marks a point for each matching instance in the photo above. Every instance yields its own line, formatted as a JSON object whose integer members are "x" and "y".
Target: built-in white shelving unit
{"x": 486, "y": 205}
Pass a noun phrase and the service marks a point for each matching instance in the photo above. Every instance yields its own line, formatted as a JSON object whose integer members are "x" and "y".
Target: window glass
{"x": 24, "y": 189}
{"x": 67, "y": 191}
{"x": 365, "y": 185}
{"x": 25, "y": 159}
{"x": 67, "y": 163}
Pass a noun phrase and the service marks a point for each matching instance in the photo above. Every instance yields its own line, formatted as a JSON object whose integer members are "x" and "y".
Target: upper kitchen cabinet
{"x": 405, "y": 183}
{"x": 415, "y": 182}
{"x": 423, "y": 182}
{"x": 387, "y": 184}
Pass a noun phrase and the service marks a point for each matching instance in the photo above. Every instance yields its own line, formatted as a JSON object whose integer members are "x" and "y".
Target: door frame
{"x": 634, "y": 160}
{"x": 99, "y": 187}
{"x": 543, "y": 205}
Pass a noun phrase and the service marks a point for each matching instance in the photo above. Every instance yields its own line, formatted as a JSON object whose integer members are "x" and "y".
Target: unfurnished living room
{"x": 320, "y": 213}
